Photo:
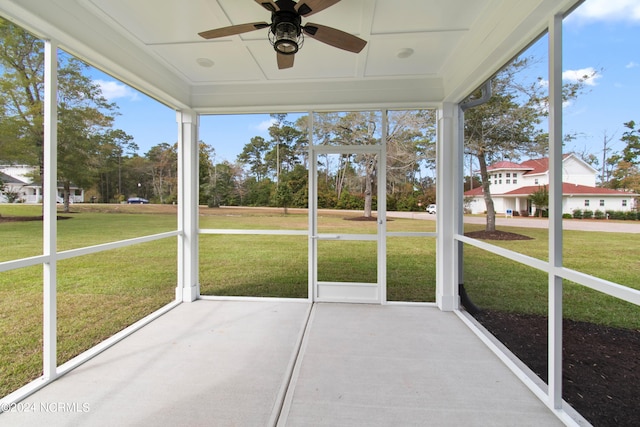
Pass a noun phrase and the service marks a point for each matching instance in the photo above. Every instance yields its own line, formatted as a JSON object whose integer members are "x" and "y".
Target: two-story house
{"x": 511, "y": 184}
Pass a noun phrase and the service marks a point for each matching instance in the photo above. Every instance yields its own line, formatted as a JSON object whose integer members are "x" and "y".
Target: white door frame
{"x": 345, "y": 291}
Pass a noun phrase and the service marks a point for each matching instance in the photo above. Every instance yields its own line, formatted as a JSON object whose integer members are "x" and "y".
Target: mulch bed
{"x": 26, "y": 218}
{"x": 362, "y": 218}
{"x": 601, "y": 375}
{"x": 496, "y": 235}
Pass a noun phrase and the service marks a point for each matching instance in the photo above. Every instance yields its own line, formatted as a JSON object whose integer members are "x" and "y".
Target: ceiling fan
{"x": 286, "y": 32}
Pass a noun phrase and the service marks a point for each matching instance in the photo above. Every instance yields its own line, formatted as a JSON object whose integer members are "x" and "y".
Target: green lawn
{"x": 102, "y": 293}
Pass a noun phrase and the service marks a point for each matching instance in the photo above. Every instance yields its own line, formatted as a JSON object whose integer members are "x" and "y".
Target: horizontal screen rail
{"x": 256, "y": 232}
{"x": 616, "y": 290}
{"x": 41, "y": 259}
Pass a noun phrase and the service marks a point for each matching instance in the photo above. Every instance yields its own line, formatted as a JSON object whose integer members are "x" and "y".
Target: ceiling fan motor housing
{"x": 287, "y": 32}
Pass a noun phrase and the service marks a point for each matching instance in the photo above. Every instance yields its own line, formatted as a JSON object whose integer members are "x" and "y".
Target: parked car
{"x": 137, "y": 201}
{"x": 431, "y": 209}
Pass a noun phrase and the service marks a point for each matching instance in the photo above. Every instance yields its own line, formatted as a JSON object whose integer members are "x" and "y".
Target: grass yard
{"x": 102, "y": 293}
{"x": 277, "y": 266}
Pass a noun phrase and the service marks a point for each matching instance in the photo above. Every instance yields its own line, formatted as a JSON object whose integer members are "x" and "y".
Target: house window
{"x": 499, "y": 181}
{"x": 515, "y": 181}
{"x": 624, "y": 203}
{"x": 508, "y": 181}
{"x": 586, "y": 202}
{"x": 508, "y": 175}
{"x": 601, "y": 202}
{"x": 499, "y": 175}
{"x": 515, "y": 175}
{"x": 536, "y": 181}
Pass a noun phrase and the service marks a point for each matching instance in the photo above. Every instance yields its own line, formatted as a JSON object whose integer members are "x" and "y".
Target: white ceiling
{"x": 153, "y": 45}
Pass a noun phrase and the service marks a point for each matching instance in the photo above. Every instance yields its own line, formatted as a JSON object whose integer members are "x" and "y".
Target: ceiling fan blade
{"x": 233, "y": 30}
{"x": 309, "y": 7}
{"x": 285, "y": 61}
{"x": 270, "y": 5}
{"x": 334, "y": 37}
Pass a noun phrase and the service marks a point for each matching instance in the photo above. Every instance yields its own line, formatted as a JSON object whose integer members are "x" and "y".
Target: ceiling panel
{"x": 387, "y": 56}
{"x": 230, "y": 62}
{"x": 151, "y": 23}
{"x": 425, "y": 15}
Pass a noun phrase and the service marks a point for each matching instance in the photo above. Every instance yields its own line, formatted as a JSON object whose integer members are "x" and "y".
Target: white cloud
{"x": 113, "y": 90}
{"x": 632, "y": 65}
{"x": 608, "y": 10}
{"x": 587, "y": 75}
{"x": 265, "y": 125}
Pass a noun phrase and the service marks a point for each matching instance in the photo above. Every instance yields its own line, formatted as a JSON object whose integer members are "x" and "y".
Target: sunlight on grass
{"x": 609, "y": 256}
{"x": 24, "y": 239}
{"x": 496, "y": 283}
{"x": 101, "y": 294}
{"x": 20, "y": 327}
{"x": 411, "y": 269}
{"x": 347, "y": 261}
{"x": 93, "y": 228}
{"x": 266, "y": 266}
{"x": 253, "y": 219}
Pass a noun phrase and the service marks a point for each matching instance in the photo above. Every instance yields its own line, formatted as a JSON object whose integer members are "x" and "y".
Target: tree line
{"x": 273, "y": 171}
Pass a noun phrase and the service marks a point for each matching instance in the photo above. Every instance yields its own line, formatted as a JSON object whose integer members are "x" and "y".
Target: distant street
{"x": 529, "y": 222}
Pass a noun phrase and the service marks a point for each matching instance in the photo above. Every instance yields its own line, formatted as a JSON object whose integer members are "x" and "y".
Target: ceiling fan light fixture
{"x": 286, "y": 38}
{"x": 286, "y": 34}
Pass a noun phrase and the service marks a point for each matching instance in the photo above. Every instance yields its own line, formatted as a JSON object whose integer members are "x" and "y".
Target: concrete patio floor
{"x": 259, "y": 363}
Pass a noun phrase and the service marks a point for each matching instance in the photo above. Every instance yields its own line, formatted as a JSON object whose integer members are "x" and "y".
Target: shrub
{"x": 542, "y": 213}
{"x": 567, "y": 216}
{"x": 587, "y": 214}
{"x": 617, "y": 215}
{"x": 598, "y": 214}
{"x": 631, "y": 215}
{"x": 524, "y": 213}
{"x": 577, "y": 213}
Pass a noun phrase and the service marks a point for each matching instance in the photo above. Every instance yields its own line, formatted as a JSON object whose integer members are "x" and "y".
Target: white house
{"x": 19, "y": 179}
{"x": 513, "y": 183}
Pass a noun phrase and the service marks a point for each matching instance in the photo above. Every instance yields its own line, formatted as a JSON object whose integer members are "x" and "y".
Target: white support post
{"x": 447, "y": 176}
{"x": 188, "y": 288}
{"x": 382, "y": 210}
{"x": 555, "y": 211}
{"x": 49, "y": 232}
{"x": 313, "y": 214}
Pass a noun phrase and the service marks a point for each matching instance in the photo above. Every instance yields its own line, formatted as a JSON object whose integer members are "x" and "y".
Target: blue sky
{"x": 600, "y": 36}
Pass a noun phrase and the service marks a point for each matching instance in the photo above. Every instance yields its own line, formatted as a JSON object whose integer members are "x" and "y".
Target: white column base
{"x": 189, "y": 294}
